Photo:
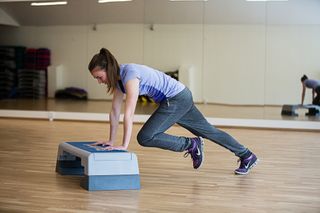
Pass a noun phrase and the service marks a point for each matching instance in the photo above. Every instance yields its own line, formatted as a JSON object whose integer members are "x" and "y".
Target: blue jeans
{"x": 180, "y": 109}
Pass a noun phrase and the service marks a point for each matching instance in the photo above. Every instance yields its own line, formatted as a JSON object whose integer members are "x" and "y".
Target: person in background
{"x": 175, "y": 106}
{"x": 310, "y": 84}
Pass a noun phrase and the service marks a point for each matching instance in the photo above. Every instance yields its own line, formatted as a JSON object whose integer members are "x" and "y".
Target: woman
{"x": 311, "y": 84}
{"x": 175, "y": 106}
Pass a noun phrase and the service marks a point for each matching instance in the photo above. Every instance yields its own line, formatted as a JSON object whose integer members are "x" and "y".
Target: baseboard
{"x": 225, "y": 122}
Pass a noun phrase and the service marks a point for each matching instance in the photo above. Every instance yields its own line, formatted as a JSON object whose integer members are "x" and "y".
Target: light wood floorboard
{"x": 287, "y": 179}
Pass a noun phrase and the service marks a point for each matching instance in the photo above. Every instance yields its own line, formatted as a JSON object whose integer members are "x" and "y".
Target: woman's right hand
{"x": 102, "y": 143}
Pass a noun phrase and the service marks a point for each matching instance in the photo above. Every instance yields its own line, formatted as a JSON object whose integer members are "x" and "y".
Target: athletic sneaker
{"x": 246, "y": 164}
{"x": 196, "y": 152}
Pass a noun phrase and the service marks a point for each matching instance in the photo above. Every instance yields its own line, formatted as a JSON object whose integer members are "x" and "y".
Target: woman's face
{"x": 100, "y": 75}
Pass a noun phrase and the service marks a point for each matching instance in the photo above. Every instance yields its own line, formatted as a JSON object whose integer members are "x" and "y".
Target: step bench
{"x": 290, "y": 110}
{"x": 101, "y": 169}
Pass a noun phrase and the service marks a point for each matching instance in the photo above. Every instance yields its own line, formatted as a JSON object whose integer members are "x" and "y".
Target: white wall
{"x": 169, "y": 47}
{"x": 292, "y": 50}
{"x": 233, "y": 64}
{"x": 5, "y": 19}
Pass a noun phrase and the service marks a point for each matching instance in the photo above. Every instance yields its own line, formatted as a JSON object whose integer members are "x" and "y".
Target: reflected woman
{"x": 310, "y": 84}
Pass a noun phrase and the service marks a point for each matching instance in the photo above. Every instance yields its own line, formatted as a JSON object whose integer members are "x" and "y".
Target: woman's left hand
{"x": 115, "y": 148}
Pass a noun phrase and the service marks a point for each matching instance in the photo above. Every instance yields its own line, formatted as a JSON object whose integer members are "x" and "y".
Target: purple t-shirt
{"x": 153, "y": 83}
{"x": 312, "y": 84}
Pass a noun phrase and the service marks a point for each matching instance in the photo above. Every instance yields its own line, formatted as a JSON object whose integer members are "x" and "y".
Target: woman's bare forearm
{"x": 114, "y": 123}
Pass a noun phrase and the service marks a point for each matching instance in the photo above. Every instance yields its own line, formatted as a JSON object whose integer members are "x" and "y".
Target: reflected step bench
{"x": 290, "y": 110}
{"x": 101, "y": 169}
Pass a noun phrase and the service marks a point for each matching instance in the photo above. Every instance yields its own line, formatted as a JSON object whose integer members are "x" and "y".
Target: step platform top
{"x": 87, "y": 146}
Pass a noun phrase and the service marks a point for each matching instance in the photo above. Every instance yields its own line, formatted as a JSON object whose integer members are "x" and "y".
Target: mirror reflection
{"x": 240, "y": 59}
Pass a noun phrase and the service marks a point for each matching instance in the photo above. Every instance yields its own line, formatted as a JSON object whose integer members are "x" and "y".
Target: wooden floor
{"x": 287, "y": 179}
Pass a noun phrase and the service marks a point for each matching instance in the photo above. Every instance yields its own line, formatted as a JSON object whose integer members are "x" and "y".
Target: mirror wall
{"x": 244, "y": 59}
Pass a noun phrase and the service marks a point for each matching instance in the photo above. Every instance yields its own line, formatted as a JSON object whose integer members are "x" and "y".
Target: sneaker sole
{"x": 202, "y": 153}
{"x": 244, "y": 173}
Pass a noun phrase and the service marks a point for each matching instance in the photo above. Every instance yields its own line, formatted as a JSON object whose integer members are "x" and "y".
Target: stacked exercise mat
{"x": 32, "y": 83}
{"x": 32, "y": 80}
{"x": 23, "y": 72}
{"x": 11, "y": 60}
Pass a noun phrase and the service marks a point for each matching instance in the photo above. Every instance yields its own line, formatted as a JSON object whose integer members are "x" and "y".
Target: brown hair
{"x": 105, "y": 60}
{"x": 303, "y": 78}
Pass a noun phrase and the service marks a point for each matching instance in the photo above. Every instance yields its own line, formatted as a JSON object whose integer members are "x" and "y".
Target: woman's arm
{"x": 303, "y": 93}
{"x": 132, "y": 88}
{"x": 114, "y": 119}
{"x": 115, "y": 114}
{"x": 313, "y": 94}
{"x": 132, "y": 94}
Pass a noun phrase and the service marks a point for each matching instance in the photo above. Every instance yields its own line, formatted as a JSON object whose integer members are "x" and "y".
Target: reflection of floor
{"x": 209, "y": 110}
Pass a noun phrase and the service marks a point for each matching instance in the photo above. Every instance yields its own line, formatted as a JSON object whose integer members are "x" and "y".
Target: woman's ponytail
{"x": 103, "y": 51}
